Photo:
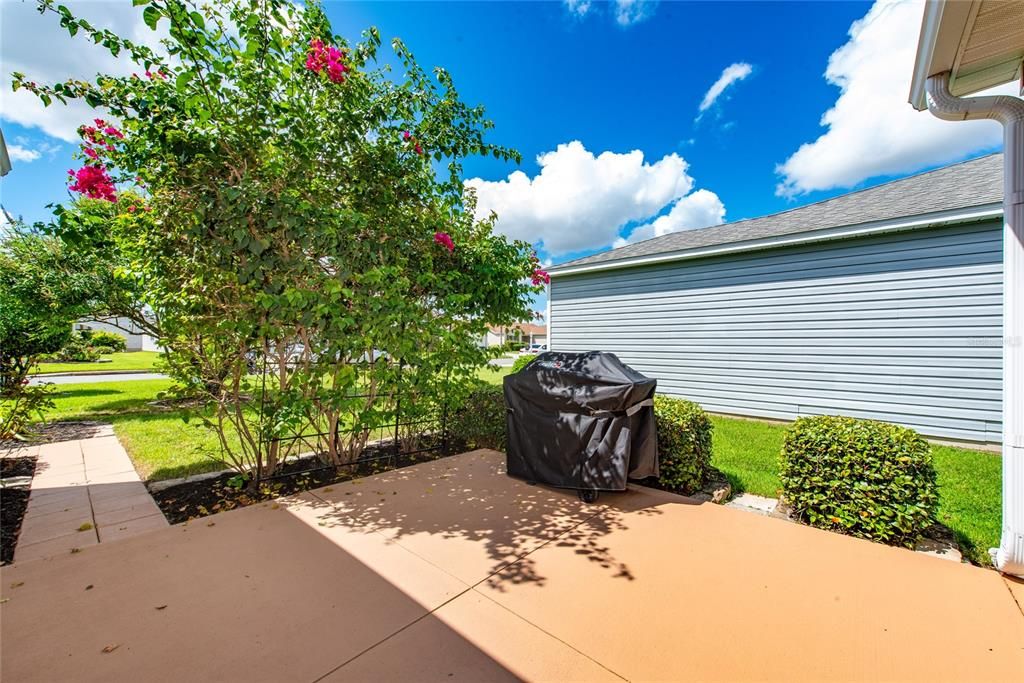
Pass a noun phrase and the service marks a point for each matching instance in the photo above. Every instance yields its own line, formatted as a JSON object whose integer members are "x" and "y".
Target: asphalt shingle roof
{"x": 967, "y": 184}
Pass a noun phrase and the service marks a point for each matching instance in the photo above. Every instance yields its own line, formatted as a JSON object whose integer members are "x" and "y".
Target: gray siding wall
{"x": 901, "y": 327}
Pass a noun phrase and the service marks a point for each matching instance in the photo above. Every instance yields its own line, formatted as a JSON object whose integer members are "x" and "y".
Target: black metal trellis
{"x": 434, "y": 430}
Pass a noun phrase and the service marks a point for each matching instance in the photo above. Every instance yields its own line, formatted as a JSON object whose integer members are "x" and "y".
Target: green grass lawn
{"x": 493, "y": 375}
{"x": 163, "y": 446}
{"x": 130, "y": 360}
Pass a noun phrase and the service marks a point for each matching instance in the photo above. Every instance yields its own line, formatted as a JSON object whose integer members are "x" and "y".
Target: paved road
{"x": 128, "y": 377}
{"x": 81, "y": 379}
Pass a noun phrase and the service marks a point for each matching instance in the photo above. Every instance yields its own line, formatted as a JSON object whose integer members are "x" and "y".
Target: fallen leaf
{"x": 110, "y": 648}
{"x": 85, "y": 527}
{"x": 17, "y": 583}
{"x": 274, "y": 506}
{"x": 89, "y": 587}
{"x": 161, "y": 607}
{"x": 75, "y": 550}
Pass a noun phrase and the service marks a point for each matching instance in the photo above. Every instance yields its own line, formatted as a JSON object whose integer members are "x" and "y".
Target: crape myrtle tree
{"x": 299, "y": 208}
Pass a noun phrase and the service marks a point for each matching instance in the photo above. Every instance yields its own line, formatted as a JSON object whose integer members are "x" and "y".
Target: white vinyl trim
{"x": 973, "y": 214}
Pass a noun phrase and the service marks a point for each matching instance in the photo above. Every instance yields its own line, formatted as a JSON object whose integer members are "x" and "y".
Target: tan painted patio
{"x": 452, "y": 571}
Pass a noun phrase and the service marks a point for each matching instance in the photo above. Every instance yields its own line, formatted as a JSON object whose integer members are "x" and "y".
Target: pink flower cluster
{"x": 326, "y": 58}
{"x": 94, "y": 182}
{"x": 409, "y": 137}
{"x": 445, "y": 240}
{"x": 539, "y": 276}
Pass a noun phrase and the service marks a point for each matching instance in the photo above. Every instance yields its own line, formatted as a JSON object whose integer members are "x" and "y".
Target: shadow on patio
{"x": 452, "y": 570}
{"x": 466, "y": 516}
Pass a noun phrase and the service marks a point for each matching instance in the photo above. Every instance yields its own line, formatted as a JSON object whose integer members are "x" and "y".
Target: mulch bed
{"x": 15, "y": 461}
{"x": 195, "y": 499}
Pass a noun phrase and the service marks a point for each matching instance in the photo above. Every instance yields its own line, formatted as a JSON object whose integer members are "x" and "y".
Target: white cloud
{"x": 19, "y": 153}
{"x": 730, "y": 74}
{"x": 27, "y": 150}
{"x": 629, "y": 12}
{"x": 872, "y": 130}
{"x": 625, "y": 12}
{"x": 701, "y": 209}
{"x": 37, "y": 46}
{"x": 577, "y": 8}
{"x": 580, "y": 201}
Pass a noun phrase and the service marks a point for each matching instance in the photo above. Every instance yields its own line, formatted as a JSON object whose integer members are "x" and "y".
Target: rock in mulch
{"x": 716, "y": 489}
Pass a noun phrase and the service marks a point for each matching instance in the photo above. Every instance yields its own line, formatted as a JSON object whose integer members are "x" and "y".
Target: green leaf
{"x": 151, "y": 15}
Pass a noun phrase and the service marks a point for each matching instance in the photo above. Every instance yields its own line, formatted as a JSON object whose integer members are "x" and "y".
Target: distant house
{"x": 522, "y": 333}
{"x": 136, "y": 339}
{"x": 883, "y": 303}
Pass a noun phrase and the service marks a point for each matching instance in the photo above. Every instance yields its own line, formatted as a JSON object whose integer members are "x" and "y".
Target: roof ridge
{"x": 802, "y": 207}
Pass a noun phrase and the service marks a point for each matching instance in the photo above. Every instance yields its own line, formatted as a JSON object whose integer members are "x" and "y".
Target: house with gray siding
{"x": 883, "y": 303}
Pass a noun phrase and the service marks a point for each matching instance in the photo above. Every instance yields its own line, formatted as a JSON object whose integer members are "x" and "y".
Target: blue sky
{"x": 609, "y": 95}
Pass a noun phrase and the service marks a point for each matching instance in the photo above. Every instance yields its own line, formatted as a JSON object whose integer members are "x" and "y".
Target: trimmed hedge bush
{"x": 113, "y": 340}
{"x": 860, "y": 477}
{"x": 480, "y": 422}
{"x": 684, "y": 443}
{"x": 522, "y": 361}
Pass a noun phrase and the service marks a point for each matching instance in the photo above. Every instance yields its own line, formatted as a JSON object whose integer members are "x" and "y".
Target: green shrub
{"x": 112, "y": 340}
{"x": 19, "y": 409}
{"x": 510, "y": 346}
{"x": 522, "y": 361}
{"x": 684, "y": 443}
{"x": 861, "y": 477}
{"x": 480, "y": 422}
{"x": 77, "y": 348}
{"x": 103, "y": 350}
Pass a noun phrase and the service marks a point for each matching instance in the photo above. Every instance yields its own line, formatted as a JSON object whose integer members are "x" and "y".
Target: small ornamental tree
{"x": 44, "y": 288}
{"x": 111, "y": 234}
{"x": 296, "y": 206}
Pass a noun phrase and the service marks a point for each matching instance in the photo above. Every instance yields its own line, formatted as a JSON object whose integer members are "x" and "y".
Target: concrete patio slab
{"x": 462, "y": 515}
{"x": 710, "y": 593}
{"x": 261, "y": 595}
{"x": 472, "y": 639}
{"x": 644, "y": 586}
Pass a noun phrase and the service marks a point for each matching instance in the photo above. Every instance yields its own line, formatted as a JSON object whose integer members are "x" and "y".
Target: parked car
{"x": 536, "y": 348}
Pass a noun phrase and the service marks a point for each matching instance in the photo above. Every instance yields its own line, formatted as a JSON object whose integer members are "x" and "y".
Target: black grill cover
{"x": 582, "y": 421}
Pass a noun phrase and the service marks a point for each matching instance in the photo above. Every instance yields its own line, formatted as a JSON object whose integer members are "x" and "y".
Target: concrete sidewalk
{"x": 451, "y": 570}
{"x": 85, "y": 491}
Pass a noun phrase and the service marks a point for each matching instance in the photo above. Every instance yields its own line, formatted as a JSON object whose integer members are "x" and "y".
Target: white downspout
{"x": 1009, "y": 111}
{"x": 547, "y": 319}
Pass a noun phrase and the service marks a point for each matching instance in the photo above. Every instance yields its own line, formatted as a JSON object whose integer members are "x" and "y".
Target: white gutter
{"x": 925, "y": 50}
{"x": 949, "y": 217}
{"x": 1009, "y": 111}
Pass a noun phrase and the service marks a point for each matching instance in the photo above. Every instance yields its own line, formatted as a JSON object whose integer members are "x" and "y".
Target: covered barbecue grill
{"x": 583, "y": 421}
